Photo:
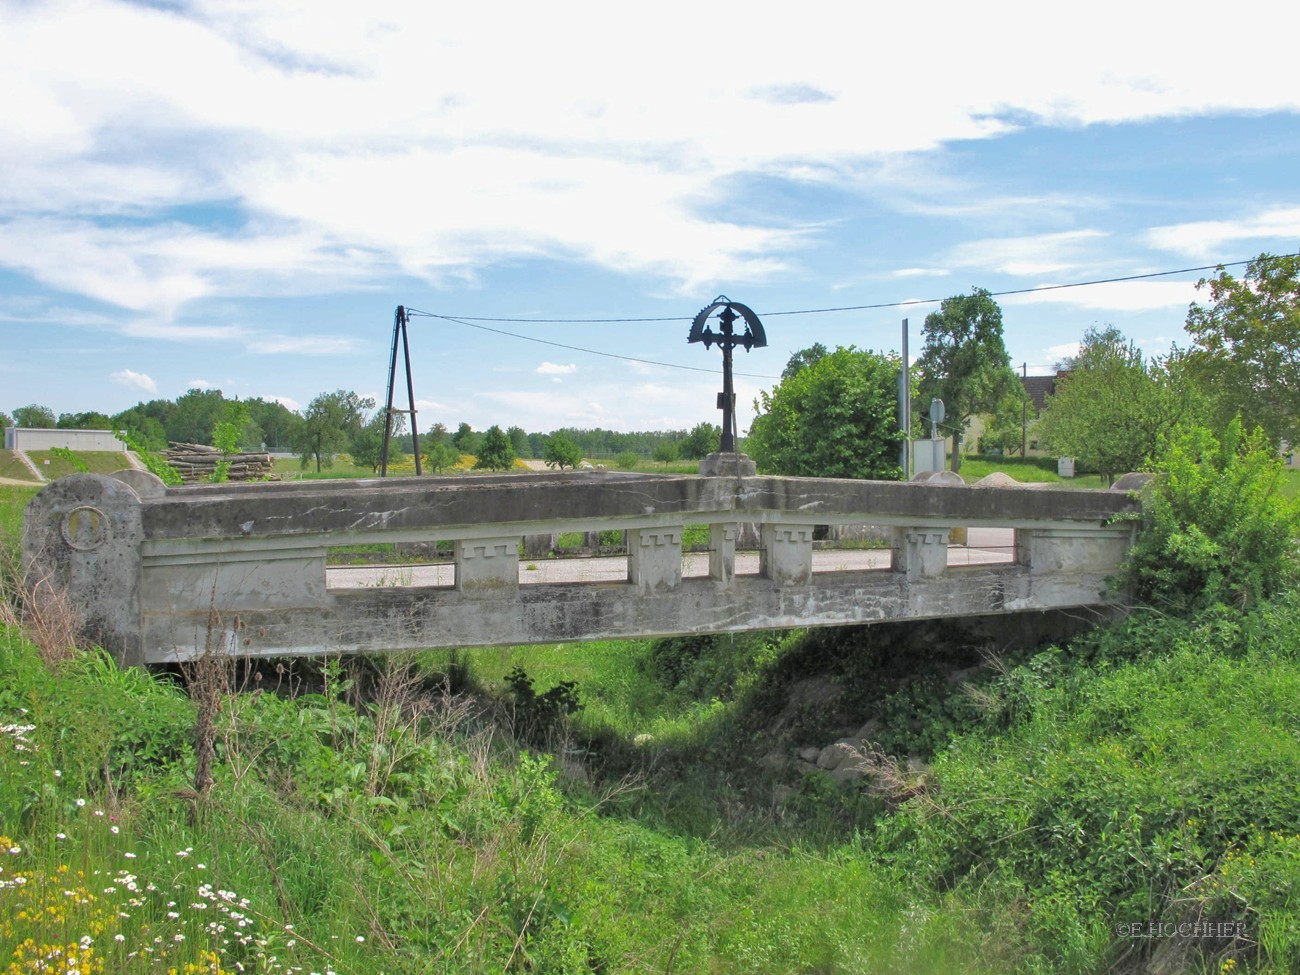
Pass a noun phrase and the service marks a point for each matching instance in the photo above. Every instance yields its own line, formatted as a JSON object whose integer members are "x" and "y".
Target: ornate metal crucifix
{"x": 753, "y": 338}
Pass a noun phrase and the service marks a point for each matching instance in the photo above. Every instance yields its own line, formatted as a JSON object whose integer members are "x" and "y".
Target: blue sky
{"x": 238, "y": 195}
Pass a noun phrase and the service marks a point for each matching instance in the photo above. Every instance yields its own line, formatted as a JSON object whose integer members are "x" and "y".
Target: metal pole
{"x": 1024, "y": 411}
{"x": 398, "y": 317}
{"x": 905, "y": 407}
{"x": 410, "y": 397}
{"x": 728, "y": 445}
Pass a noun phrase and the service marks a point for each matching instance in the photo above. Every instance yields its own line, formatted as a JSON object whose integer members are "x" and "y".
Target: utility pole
{"x": 399, "y": 331}
{"x": 905, "y": 408}
{"x": 1024, "y": 411}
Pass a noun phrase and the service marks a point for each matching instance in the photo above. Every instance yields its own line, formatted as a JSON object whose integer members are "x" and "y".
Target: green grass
{"x": 13, "y": 468}
{"x": 1028, "y": 471}
{"x": 1147, "y": 772}
{"x": 1290, "y": 487}
{"x": 97, "y": 462}
{"x": 13, "y": 499}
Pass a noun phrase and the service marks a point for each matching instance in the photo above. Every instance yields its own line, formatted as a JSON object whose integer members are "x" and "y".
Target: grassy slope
{"x": 101, "y": 462}
{"x": 1147, "y": 773}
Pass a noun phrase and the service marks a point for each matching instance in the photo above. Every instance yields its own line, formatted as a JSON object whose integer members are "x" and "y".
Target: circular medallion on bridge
{"x": 85, "y": 528}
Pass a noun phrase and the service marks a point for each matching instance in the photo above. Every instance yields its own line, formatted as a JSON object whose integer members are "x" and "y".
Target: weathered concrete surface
{"x": 158, "y": 570}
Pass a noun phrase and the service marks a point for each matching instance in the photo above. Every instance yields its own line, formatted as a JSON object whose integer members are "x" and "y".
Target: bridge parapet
{"x": 162, "y": 573}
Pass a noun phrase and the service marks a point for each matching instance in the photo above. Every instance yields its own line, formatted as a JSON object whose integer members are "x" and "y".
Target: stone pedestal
{"x": 728, "y": 465}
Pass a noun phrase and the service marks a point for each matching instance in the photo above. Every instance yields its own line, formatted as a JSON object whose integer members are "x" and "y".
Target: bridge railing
{"x": 163, "y": 573}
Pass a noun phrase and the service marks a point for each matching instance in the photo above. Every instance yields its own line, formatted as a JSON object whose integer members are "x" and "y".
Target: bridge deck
{"x": 161, "y": 574}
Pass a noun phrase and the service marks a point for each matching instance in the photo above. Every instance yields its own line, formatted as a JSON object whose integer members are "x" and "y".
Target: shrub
{"x": 1215, "y": 529}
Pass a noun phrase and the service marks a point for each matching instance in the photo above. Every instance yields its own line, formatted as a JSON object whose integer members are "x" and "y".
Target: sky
{"x": 238, "y": 195}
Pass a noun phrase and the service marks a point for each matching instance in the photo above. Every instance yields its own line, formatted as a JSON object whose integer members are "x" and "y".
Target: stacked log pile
{"x": 197, "y": 463}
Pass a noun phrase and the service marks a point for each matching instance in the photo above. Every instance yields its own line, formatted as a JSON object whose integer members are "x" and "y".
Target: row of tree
{"x": 834, "y": 414}
{"x": 344, "y": 422}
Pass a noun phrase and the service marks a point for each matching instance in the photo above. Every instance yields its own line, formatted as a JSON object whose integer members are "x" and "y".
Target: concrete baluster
{"x": 786, "y": 555}
{"x": 487, "y": 564}
{"x": 920, "y": 553}
{"x": 654, "y": 557}
{"x": 722, "y": 553}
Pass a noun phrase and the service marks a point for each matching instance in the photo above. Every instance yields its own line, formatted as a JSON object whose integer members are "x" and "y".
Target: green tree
{"x": 91, "y": 420}
{"x": 496, "y": 452}
{"x": 701, "y": 441}
{"x": 276, "y": 423}
{"x": 1004, "y": 428}
{"x": 965, "y": 362}
{"x": 559, "y": 451}
{"x": 331, "y": 421}
{"x": 6, "y": 421}
{"x": 144, "y": 429}
{"x": 367, "y": 444}
{"x": 666, "y": 451}
{"x": 147, "y": 423}
{"x": 519, "y": 440}
{"x": 226, "y": 434}
{"x": 441, "y": 456}
{"x": 804, "y": 358}
{"x": 1113, "y": 408}
{"x": 465, "y": 439}
{"x": 1246, "y": 352}
{"x": 1216, "y": 529}
{"x": 197, "y": 412}
{"x": 837, "y": 417}
{"x": 35, "y": 417}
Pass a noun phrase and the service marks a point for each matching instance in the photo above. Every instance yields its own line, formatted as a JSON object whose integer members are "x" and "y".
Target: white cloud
{"x": 1067, "y": 350}
{"x": 135, "y": 380}
{"x": 1022, "y": 256}
{"x": 1126, "y": 296}
{"x": 199, "y": 384}
{"x": 357, "y": 140}
{"x": 288, "y": 402}
{"x": 554, "y": 369}
{"x": 1206, "y": 239}
{"x": 920, "y": 272}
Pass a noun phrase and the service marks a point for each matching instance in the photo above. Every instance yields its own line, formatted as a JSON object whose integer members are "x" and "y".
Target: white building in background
{"x": 32, "y": 438}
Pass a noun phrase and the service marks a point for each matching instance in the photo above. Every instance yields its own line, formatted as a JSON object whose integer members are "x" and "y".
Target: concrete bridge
{"x": 163, "y": 574}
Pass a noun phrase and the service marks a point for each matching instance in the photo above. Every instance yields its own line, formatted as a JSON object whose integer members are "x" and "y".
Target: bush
{"x": 1215, "y": 529}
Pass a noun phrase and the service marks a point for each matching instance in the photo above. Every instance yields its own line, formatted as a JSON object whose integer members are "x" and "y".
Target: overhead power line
{"x": 578, "y": 348}
{"x": 463, "y": 319}
{"x": 474, "y": 321}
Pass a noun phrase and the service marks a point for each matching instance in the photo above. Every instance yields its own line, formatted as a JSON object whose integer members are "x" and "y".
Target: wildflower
{"x": 360, "y": 939}
{"x": 119, "y": 937}
{"x": 58, "y": 774}
{"x": 112, "y": 829}
{"x": 80, "y": 803}
{"x": 60, "y": 836}
{"x": 129, "y": 856}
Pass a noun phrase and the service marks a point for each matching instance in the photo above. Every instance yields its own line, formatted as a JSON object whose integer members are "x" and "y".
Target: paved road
{"x": 986, "y": 546}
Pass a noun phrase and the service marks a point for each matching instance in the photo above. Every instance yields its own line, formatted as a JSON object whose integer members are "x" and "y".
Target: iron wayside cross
{"x": 754, "y": 337}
